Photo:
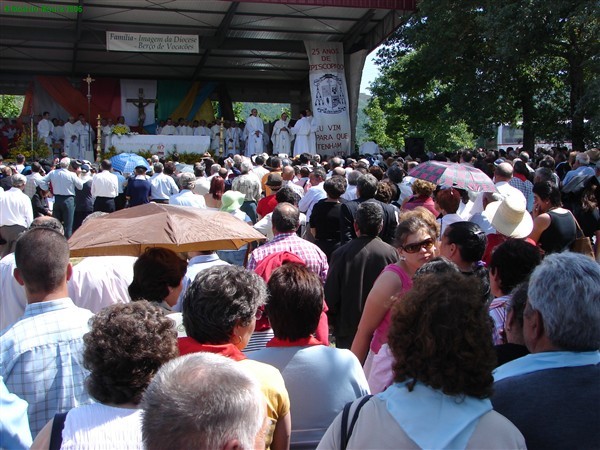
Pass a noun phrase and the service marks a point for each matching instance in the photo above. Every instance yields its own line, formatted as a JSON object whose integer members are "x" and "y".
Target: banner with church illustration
{"x": 329, "y": 96}
{"x": 112, "y": 97}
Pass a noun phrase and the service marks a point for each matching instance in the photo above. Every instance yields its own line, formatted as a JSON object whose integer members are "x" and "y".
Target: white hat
{"x": 510, "y": 217}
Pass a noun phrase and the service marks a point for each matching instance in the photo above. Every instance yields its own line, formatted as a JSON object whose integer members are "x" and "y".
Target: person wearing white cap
{"x": 510, "y": 219}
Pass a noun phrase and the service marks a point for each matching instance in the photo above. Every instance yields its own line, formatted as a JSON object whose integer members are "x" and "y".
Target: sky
{"x": 370, "y": 72}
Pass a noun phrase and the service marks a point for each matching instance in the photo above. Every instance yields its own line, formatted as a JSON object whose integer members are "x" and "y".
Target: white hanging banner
{"x": 117, "y": 41}
{"x": 329, "y": 96}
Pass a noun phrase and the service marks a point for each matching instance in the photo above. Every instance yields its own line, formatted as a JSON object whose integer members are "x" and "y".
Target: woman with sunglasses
{"x": 415, "y": 240}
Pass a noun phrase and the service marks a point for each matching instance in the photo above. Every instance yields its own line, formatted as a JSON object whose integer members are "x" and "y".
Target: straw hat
{"x": 232, "y": 201}
{"x": 510, "y": 217}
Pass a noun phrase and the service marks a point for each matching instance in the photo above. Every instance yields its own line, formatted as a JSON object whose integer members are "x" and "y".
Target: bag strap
{"x": 57, "y": 427}
{"x": 578, "y": 231}
{"x": 346, "y": 433}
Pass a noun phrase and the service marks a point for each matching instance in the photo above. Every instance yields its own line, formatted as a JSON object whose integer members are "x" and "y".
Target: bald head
{"x": 287, "y": 173}
{"x": 503, "y": 172}
{"x": 286, "y": 218}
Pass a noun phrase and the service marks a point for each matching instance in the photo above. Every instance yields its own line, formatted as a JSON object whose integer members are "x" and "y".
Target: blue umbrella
{"x": 127, "y": 162}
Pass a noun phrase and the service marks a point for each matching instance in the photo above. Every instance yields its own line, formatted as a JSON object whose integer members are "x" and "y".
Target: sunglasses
{"x": 427, "y": 244}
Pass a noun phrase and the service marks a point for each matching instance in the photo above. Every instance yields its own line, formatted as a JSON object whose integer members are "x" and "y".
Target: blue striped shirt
{"x": 41, "y": 359}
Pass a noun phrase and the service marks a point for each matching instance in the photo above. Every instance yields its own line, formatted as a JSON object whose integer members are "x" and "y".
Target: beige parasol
{"x": 179, "y": 228}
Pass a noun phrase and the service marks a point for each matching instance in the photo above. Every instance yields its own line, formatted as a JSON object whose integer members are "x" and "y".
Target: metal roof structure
{"x": 260, "y": 40}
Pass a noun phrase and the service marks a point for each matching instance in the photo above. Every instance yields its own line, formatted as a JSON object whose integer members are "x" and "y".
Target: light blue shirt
{"x": 187, "y": 198}
{"x": 14, "y": 427}
{"x": 196, "y": 265}
{"x": 64, "y": 182}
{"x": 582, "y": 171}
{"x": 320, "y": 381}
{"x": 163, "y": 186}
{"x": 41, "y": 359}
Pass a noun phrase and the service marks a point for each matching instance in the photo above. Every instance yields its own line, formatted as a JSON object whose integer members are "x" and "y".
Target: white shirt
{"x": 312, "y": 196}
{"x": 105, "y": 184}
{"x": 15, "y": 208}
{"x": 187, "y": 198}
{"x": 45, "y": 128}
{"x": 12, "y": 293}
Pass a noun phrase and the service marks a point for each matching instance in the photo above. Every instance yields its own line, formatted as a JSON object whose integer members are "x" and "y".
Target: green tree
{"x": 11, "y": 105}
{"x": 483, "y": 62}
{"x": 376, "y": 127}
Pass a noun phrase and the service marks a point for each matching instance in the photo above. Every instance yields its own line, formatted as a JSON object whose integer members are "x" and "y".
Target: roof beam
{"x": 220, "y": 35}
{"x": 77, "y": 37}
{"x": 354, "y": 34}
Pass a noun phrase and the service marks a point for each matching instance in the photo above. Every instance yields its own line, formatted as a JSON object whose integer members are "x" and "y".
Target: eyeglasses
{"x": 427, "y": 244}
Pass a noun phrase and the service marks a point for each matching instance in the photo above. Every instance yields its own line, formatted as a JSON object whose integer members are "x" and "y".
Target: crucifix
{"x": 141, "y": 103}
{"x": 89, "y": 80}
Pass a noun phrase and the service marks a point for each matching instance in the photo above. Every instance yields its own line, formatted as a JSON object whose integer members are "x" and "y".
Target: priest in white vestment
{"x": 45, "y": 129}
{"x": 233, "y": 136}
{"x": 312, "y": 137}
{"x": 302, "y": 131}
{"x": 169, "y": 129}
{"x": 254, "y": 130}
{"x": 71, "y": 137}
{"x": 59, "y": 131}
{"x": 215, "y": 137}
{"x": 282, "y": 138}
{"x": 86, "y": 139}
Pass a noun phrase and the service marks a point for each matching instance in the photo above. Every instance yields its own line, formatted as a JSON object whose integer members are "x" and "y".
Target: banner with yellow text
{"x": 329, "y": 97}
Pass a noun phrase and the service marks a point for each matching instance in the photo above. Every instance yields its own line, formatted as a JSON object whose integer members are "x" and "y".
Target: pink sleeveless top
{"x": 380, "y": 336}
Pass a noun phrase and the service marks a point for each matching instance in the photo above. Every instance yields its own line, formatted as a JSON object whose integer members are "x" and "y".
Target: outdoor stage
{"x": 159, "y": 144}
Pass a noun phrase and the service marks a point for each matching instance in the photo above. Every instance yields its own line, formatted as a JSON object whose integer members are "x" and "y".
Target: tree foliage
{"x": 11, "y": 105}
{"x": 465, "y": 65}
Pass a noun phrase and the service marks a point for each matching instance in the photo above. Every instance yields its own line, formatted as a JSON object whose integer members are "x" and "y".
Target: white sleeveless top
{"x": 99, "y": 426}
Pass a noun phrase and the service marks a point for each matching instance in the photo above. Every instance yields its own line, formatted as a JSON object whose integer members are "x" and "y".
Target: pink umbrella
{"x": 455, "y": 175}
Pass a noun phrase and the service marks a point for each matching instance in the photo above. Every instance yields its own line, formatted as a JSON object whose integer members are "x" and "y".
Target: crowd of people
{"x": 382, "y": 311}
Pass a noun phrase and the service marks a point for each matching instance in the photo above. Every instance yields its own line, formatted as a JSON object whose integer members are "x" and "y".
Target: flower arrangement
{"x": 120, "y": 130}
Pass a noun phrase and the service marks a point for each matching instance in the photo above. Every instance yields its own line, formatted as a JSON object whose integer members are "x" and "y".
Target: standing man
{"x": 233, "y": 136}
{"x": 71, "y": 142}
{"x": 353, "y": 269}
{"x": 163, "y": 186}
{"x": 282, "y": 139}
{"x": 186, "y": 196}
{"x": 301, "y": 130}
{"x": 315, "y": 194}
{"x": 312, "y": 136}
{"x": 254, "y": 134}
{"x": 16, "y": 213}
{"x": 552, "y": 395}
{"x": 86, "y": 139}
{"x": 138, "y": 188}
{"x": 105, "y": 188}
{"x": 45, "y": 129}
{"x": 65, "y": 181}
{"x": 169, "y": 129}
{"x": 41, "y": 356}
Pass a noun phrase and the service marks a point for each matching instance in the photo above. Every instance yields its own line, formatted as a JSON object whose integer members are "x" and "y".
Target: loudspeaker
{"x": 415, "y": 146}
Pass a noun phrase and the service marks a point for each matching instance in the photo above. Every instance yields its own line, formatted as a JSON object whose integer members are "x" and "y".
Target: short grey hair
{"x": 199, "y": 401}
{"x": 18, "y": 180}
{"x": 215, "y": 168}
{"x": 353, "y": 177}
{"x": 218, "y": 299}
{"x": 246, "y": 166}
{"x": 158, "y": 167}
{"x": 187, "y": 180}
{"x": 582, "y": 158}
{"x": 565, "y": 290}
{"x": 64, "y": 163}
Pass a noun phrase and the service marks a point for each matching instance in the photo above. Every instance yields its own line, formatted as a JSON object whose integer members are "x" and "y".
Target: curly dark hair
{"x": 153, "y": 272}
{"x": 126, "y": 345}
{"x": 441, "y": 336}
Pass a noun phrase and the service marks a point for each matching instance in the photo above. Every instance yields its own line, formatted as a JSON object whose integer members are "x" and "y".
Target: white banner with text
{"x": 329, "y": 96}
{"x": 118, "y": 41}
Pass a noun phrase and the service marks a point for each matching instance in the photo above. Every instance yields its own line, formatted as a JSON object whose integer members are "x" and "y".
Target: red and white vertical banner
{"x": 329, "y": 96}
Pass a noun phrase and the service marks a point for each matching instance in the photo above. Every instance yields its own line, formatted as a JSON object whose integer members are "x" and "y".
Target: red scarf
{"x": 304, "y": 342}
{"x": 189, "y": 345}
{"x": 520, "y": 176}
